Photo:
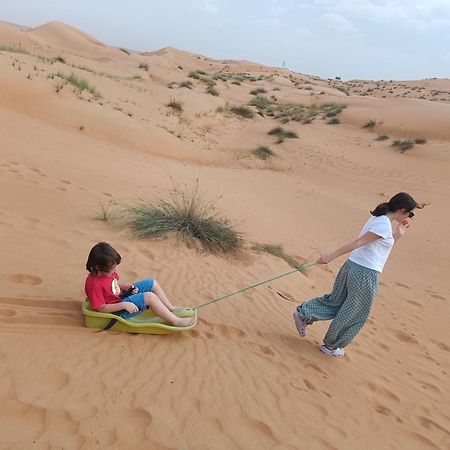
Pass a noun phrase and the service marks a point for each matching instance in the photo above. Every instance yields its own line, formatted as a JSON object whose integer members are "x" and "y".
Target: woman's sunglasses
{"x": 410, "y": 214}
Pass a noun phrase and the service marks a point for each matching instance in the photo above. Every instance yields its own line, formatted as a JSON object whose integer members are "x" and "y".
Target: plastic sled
{"x": 145, "y": 322}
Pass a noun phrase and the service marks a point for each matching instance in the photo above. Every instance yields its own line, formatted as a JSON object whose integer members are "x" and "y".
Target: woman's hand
{"x": 401, "y": 229}
{"x": 325, "y": 259}
{"x": 130, "y": 307}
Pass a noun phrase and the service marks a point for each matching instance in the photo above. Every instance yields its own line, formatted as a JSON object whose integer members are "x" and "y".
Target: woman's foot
{"x": 337, "y": 352}
{"x": 300, "y": 323}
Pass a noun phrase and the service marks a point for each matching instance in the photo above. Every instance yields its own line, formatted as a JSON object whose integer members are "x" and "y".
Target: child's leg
{"x": 362, "y": 288}
{"x": 161, "y": 310}
{"x": 157, "y": 289}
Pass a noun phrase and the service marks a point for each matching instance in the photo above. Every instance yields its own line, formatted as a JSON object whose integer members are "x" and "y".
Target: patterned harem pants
{"x": 348, "y": 305}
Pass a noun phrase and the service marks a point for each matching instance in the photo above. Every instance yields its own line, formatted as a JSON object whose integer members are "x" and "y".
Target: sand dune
{"x": 243, "y": 378}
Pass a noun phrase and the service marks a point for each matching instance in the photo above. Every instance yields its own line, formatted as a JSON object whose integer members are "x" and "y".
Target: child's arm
{"x": 113, "y": 307}
{"x": 128, "y": 288}
{"x": 365, "y": 239}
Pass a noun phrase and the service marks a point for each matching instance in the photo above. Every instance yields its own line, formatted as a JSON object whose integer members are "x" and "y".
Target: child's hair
{"x": 101, "y": 258}
{"x": 402, "y": 200}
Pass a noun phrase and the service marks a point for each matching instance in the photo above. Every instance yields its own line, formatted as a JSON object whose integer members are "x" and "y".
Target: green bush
{"x": 176, "y": 106}
{"x": 242, "y": 111}
{"x": 263, "y": 152}
{"x": 403, "y": 145}
{"x": 190, "y": 217}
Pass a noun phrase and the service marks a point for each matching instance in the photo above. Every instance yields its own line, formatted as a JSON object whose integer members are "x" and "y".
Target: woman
{"x": 355, "y": 287}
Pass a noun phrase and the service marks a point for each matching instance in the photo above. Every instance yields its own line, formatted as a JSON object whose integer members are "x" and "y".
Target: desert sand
{"x": 243, "y": 378}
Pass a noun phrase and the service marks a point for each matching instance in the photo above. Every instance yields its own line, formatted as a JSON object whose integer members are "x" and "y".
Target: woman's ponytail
{"x": 402, "y": 200}
{"x": 380, "y": 210}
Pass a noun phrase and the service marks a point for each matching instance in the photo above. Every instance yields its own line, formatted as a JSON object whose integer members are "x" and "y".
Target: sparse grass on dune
{"x": 260, "y": 101}
{"x": 420, "y": 140}
{"x": 190, "y": 217}
{"x": 175, "y": 105}
{"x": 403, "y": 144}
{"x": 11, "y": 49}
{"x": 370, "y": 124}
{"x": 282, "y": 134}
{"x": 382, "y": 137}
{"x": 258, "y": 91}
{"x": 242, "y": 111}
{"x": 186, "y": 84}
{"x": 278, "y": 251}
{"x": 263, "y": 152}
{"x": 144, "y": 66}
{"x": 80, "y": 83}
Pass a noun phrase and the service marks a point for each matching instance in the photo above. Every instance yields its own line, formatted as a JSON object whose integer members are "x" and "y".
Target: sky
{"x": 353, "y": 39}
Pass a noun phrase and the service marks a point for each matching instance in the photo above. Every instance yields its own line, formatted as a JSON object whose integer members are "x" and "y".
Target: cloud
{"x": 205, "y": 5}
{"x": 336, "y": 24}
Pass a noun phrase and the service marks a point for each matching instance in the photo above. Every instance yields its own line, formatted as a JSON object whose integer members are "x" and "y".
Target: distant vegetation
{"x": 282, "y": 134}
{"x": 8, "y": 48}
{"x": 186, "y": 84}
{"x": 263, "y": 152}
{"x": 80, "y": 83}
{"x": 143, "y": 66}
{"x": 175, "y": 105}
{"x": 370, "y": 124}
{"x": 125, "y": 51}
{"x": 382, "y": 137}
{"x": 403, "y": 145}
{"x": 420, "y": 140}
{"x": 242, "y": 111}
{"x": 258, "y": 91}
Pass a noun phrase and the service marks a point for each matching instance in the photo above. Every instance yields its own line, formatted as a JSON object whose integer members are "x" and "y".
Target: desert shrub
{"x": 194, "y": 74}
{"x": 80, "y": 83}
{"x": 403, "y": 145}
{"x": 11, "y": 49}
{"x": 125, "y": 51}
{"x": 175, "y": 105}
{"x": 190, "y": 217}
{"x": 281, "y": 132}
{"x": 258, "y": 91}
{"x": 278, "y": 251}
{"x": 263, "y": 152}
{"x": 260, "y": 101}
{"x": 60, "y": 59}
{"x": 370, "y": 124}
{"x": 333, "y": 121}
{"x": 420, "y": 140}
{"x": 143, "y": 66}
{"x": 186, "y": 84}
{"x": 382, "y": 137}
{"x": 242, "y": 111}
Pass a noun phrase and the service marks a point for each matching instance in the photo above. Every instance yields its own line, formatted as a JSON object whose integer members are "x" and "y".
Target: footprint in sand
{"x": 403, "y": 285}
{"x": 23, "y": 278}
{"x": 441, "y": 345}
{"x": 405, "y": 337}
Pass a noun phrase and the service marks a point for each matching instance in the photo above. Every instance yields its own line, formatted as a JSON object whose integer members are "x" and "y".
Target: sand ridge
{"x": 243, "y": 378}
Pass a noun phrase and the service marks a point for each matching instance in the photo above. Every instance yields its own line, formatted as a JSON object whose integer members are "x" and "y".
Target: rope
{"x": 298, "y": 269}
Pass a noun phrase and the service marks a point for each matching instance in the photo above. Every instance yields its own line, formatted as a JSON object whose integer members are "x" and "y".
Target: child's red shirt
{"x": 101, "y": 290}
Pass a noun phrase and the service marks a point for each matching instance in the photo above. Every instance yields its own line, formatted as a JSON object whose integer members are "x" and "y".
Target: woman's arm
{"x": 365, "y": 239}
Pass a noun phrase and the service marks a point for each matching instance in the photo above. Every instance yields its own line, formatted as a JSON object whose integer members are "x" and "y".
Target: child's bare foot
{"x": 185, "y": 322}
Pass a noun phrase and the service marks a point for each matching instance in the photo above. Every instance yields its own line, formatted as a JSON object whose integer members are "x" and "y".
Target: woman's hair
{"x": 101, "y": 258}
{"x": 402, "y": 200}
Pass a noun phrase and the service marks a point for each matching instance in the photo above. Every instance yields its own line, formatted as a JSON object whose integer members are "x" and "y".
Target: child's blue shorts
{"x": 137, "y": 299}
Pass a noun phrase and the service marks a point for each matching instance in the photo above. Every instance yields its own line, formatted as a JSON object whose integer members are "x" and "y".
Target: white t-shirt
{"x": 375, "y": 254}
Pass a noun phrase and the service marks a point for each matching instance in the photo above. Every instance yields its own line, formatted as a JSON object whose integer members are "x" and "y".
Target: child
{"x": 107, "y": 295}
{"x": 355, "y": 287}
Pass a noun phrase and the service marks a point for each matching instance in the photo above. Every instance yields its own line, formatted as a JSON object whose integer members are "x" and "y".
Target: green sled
{"x": 145, "y": 322}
